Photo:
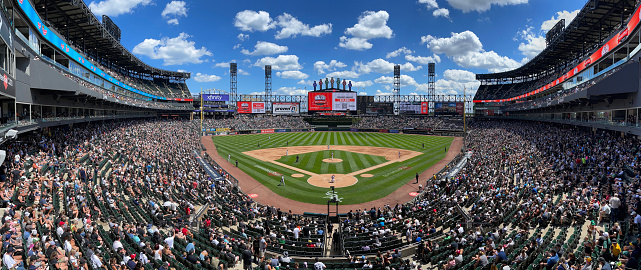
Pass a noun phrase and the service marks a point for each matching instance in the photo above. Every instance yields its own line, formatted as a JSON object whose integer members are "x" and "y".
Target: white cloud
{"x": 382, "y": 66}
{"x": 423, "y": 60}
{"x": 449, "y": 87}
{"x": 441, "y": 12}
{"x": 222, "y": 65}
{"x": 173, "y": 10}
{"x": 282, "y": 62}
{"x": 564, "y": 14}
{"x": 243, "y": 72}
{"x": 173, "y": 51}
{"x": 292, "y": 74}
{"x": 306, "y": 82}
{"x": 291, "y": 27}
{"x": 321, "y": 66}
{"x": 370, "y": 25}
{"x": 381, "y": 93}
{"x": 430, "y": 4}
{"x": 362, "y": 84}
{"x": 249, "y": 20}
{"x": 399, "y": 51}
{"x": 466, "y": 50}
{"x": 114, "y": 8}
{"x": 406, "y": 80}
{"x": 362, "y": 93}
{"x": 242, "y": 37}
{"x": 459, "y": 75}
{"x": 533, "y": 44}
{"x": 265, "y": 48}
{"x": 237, "y": 46}
{"x": 345, "y": 74}
{"x": 292, "y": 91}
{"x": 457, "y": 44}
{"x": 206, "y": 78}
{"x": 482, "y": 5}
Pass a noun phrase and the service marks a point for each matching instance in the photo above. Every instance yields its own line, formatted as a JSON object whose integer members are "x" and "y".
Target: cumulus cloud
{"x": 173, "y": 51}
{"x": 249, "y": 20}
{"x": 292, "y": 74}
{"x": 345, "y": 74}
{"x": 173, "y": 10}
{"x": 265, "y": 48}
{"x": 362, "y": 84}
{"x": 321, "y": 66}
{"x": 291, "y": 27}
{"x": 438, "y": 12}
{"x": 466, "y": 50}
{"x": 441, "y": 12}
{"x": 370, "y": 25}
{"x": 482, "y": 5}
{"x": 430, "y": 4}
{"x": 564, "y": 14}
{"x": 382, "y": 66}
{"x": 533, "y": 44}
{"x": 282, "y": 62}
{"x": 459, "y": 75}
{"x": 423, "y": 60}
{"x": 242, "y": 37}
{"x": 291, "y": 91}
{"x": 399, "y": 51}
{"x": 206, "y": 78}
{"x": 114, "y": 8}
{"x": 406, "y": 80}
{"x": 222, "y": 65}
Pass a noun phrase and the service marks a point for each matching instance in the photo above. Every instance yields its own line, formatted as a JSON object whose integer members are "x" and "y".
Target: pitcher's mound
{"x": 329, "y": 160}
{"x": 298, "y": 175}
{"x": 340, "y": 180}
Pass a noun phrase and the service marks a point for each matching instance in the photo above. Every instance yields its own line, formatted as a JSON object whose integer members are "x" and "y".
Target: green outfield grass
{"x": 313, "y": 162}
{"x": 386, "y": 179}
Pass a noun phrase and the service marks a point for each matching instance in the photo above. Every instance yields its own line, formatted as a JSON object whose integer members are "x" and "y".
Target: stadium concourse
{"x": 123, "y": 192}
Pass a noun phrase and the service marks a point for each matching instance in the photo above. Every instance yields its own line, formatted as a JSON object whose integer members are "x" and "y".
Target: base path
{"x": 268, "y": 197}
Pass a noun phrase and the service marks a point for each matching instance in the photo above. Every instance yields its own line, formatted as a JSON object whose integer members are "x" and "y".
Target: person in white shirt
{"x": 637, "y": 218}
{"x": 296, "y": 232}
{"x": 170, "y": 241}
{"x": 117, "y": 244}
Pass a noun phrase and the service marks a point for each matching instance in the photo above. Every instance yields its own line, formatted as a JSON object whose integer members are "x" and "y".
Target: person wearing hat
{"x": 164, "y": 266}
{"x": 604, "y": 264}
{"x": 131, "y": 263}
{"x": 10, "y": 261}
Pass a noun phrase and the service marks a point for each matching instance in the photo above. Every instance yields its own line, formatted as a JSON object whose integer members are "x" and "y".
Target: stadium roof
{"x": 74, "y": 21}
{"x": 594, "y": 24}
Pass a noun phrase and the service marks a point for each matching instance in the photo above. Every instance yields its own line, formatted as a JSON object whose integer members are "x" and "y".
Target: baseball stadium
{"x": 109, "y": 162}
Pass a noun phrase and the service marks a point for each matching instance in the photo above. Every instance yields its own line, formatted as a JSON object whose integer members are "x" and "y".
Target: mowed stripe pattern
{"x": 386, "y": 179}
{"x": 313, "y": 162}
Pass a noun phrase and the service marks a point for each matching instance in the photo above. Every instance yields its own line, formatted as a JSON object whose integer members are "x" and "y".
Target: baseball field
{"x": 361, "y": 166}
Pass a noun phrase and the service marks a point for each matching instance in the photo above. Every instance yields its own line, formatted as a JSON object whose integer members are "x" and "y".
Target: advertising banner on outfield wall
{"x": 383, "y": 130}
{"x": 266, "y": 131}
{"x": 282, "y": 130}
{"x": 286, "y": 108}
{"x": 393, "y": 131}
{"x": 353, "y": 130}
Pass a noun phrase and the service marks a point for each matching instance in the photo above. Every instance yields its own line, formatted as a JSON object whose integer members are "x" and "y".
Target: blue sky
{"x": 354, "y": 40}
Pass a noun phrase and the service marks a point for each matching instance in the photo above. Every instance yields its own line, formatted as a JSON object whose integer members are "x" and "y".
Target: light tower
{"x": 268, "y": 86}
{"x": 431, "y": 81}
{"x": 397, "y": 89}
{"x": 233, "y": 81}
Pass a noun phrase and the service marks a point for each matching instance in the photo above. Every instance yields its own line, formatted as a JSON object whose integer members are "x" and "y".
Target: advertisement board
{"x": 425, "y": 107}
{"x": 319, "y": 101}
{"x": 331, "y": 101}
{"x": 286, "y": 108}
{"x": 448, "y": 108}
{"x": 258, "y": 107}
{"x": 380, "y": 108}
{"x": 215, "y": 97}
{"x": 266, "y": 131}
{"x": 244, "y": 106}
{"x": 410, "y": 107}
{"x": 342, "y": 101}
{"x": 250, "y": 107}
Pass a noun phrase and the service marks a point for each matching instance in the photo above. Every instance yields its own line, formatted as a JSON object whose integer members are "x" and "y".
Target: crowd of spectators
{"x": 120, "y": 195}
{"x": 241, "y": 122}
{"x": 408, "y": 122}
